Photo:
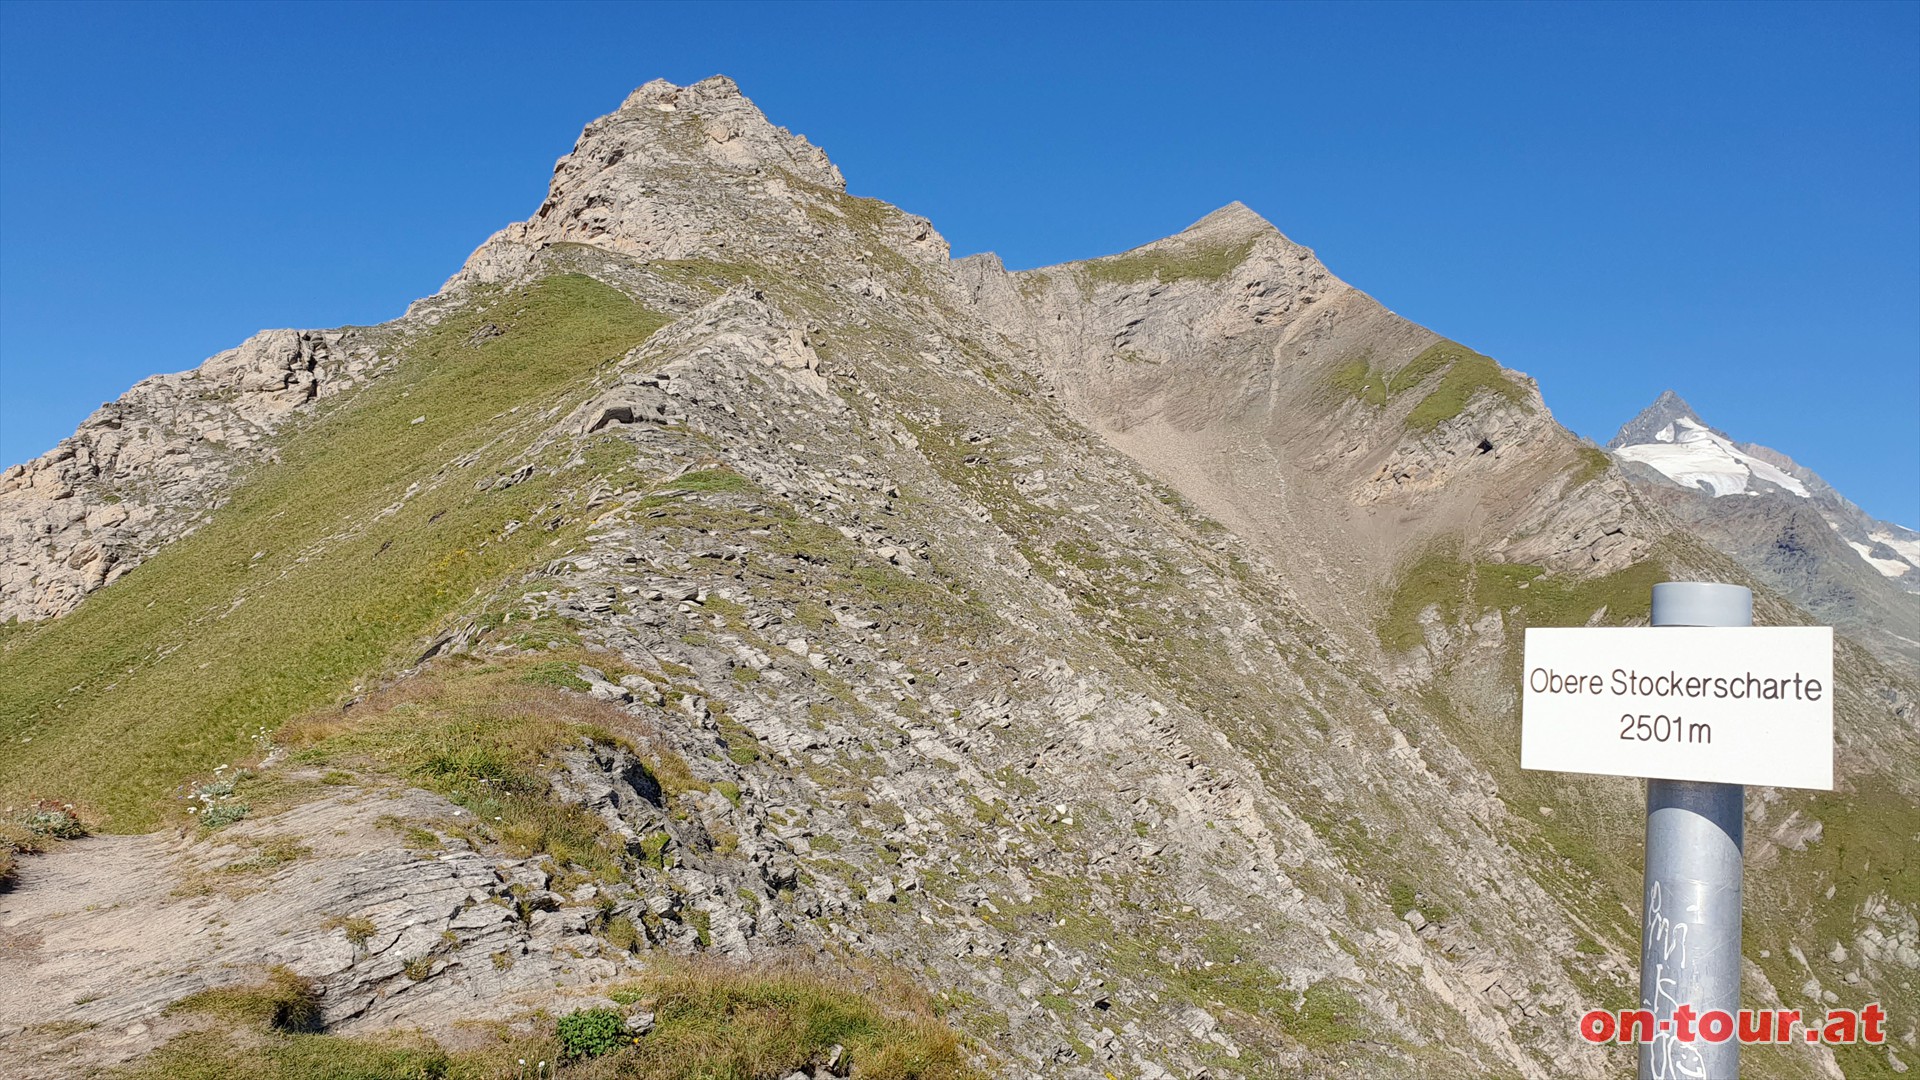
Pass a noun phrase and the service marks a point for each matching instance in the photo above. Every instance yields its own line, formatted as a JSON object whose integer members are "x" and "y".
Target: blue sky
{"x": 1615, "y": 199}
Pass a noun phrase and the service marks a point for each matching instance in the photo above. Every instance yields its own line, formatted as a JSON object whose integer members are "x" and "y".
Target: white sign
{"x": 1730, "y": 705}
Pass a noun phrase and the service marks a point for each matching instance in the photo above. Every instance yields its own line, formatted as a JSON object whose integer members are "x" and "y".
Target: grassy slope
{"x": 1463, "y": 375}
{"x": 251, "y": 620}
{"x": 1592, "y": 874}
{"x": 1439, "y": 579}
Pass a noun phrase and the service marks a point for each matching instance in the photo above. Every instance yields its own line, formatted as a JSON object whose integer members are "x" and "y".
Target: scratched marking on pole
{"x": 1667, "y": 939}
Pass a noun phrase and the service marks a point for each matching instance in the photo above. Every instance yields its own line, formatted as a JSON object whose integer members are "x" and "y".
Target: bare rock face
{"x": 143, "y": 470}
{"x": 274, "y": 371}
{"x": 1433, "y": 461}
{"x": 738, "y": 134}
{"x": 1566, "y": 523}
{"x": 1596, "y": 527}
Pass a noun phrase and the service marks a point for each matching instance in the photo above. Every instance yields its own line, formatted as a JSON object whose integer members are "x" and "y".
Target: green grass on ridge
{"x": 1204, "y": 262}
{"x": 322, "y": 567}
{"x": 1463, "y": 375}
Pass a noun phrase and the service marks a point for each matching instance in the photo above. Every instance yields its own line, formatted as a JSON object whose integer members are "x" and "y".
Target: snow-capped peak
{"x": 1693, "y": 455}
{"x": 1669, "y": 437}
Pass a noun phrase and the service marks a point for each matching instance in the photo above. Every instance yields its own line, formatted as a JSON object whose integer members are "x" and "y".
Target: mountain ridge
{"x": 1120, "y": 649}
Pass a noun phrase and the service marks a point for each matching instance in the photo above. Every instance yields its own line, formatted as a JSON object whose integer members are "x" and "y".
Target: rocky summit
{"x": 721, "y": 631}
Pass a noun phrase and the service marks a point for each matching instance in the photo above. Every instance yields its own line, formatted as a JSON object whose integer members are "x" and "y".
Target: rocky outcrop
{"x": 146, "y": 469}
{"x": 377, "y": 899}
{"x": 389, "y": 936}
{"x": 694, "y": 172}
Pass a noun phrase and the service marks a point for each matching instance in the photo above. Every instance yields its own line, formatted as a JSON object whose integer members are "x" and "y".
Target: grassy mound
{"x": 486, "y": 736}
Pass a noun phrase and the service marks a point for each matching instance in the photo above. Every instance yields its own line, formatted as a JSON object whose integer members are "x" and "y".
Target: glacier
{"x": 1691, "y": 455}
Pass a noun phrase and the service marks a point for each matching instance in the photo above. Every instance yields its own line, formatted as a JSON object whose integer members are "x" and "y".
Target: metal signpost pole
{"x": 1690, "y": 939}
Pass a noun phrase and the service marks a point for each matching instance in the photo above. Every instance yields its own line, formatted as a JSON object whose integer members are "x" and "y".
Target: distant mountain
{"x": 1669, "y": 436}
{"x": 1780, "y": 520}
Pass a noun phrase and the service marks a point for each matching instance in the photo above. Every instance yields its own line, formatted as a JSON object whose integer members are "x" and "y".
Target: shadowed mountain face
{"x": 1123, "y": 653}
{"x": 1781, "y": 522}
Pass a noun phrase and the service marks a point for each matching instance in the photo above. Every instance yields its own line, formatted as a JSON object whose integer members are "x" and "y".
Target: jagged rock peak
{"x": 678, "y": 172}
{"x": 1666, "y": 408}
{"x": 661, "y": 92}
{"x": 738, "y": 134}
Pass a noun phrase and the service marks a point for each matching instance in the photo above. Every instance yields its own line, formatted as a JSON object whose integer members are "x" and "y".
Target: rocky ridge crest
{"x": 680, "y": 173}
{"x": 142, "y": 471}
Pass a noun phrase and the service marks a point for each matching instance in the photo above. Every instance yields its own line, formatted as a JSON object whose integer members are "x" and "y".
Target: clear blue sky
{"x": 1617, "y": 199}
